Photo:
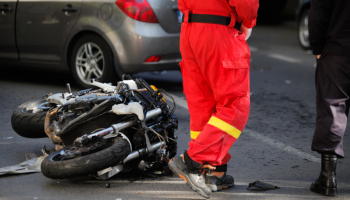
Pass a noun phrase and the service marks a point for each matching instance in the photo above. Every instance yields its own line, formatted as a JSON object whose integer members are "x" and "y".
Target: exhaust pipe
{"x": 141, "y": 152}
{"x": 111, "y": 171}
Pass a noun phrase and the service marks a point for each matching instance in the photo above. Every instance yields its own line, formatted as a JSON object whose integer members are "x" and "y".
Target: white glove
{"x": 247, "y": 31}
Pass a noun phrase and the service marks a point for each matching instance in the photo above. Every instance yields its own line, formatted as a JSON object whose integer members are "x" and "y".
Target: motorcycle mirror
{"x": 68, "y": 87}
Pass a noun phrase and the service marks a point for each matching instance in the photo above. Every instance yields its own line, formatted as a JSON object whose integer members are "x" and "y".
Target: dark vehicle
{"x": 104, "y": 131}
{"x": 270, "y": 11}
{"x": 303, "y": 21}
{"x": 92, "y": 39}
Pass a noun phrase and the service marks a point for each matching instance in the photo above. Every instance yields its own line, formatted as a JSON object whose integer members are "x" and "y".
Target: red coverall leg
{"x": 215, "y": 70}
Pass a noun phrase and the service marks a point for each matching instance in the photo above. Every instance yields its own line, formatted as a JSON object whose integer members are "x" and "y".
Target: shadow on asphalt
{"x": 23, "y": 75}
{"x": 165, "y": 79}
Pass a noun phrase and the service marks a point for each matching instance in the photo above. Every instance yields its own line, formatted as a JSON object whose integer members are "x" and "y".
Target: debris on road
{"x": 262, "y": 185}
{"x": 288, "y": 81}
{"x": 7, "y": 138}
{"x": 30, "y": 166}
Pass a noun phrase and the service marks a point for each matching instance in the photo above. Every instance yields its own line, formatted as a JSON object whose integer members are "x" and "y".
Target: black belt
{"x": 211, "y": 19}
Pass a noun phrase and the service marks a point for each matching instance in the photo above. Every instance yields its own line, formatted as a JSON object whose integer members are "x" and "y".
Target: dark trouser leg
{"x": 221, "y": 168}
{"x": 332, "y": 87}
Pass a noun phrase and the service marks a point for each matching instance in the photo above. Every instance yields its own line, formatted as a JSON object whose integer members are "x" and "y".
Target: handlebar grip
{"x": 148, "y": 87}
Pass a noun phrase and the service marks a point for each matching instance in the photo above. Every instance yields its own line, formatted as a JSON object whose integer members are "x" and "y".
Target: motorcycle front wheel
{"x": 29, "y": 118}
{"x": 55, "y": 167}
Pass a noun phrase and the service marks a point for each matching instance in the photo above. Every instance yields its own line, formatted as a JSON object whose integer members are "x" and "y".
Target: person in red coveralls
{"x": 215, "y": 69}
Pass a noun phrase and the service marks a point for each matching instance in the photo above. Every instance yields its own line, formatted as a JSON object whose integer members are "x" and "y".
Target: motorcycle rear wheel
{"x": 28, "y": 120}
{"x": 54, "y": 168}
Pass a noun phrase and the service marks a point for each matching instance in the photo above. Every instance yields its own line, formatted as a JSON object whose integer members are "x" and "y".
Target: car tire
{"x": 92, "y": 58}
{"x": 303, "y": 30}
{"x": 27, "y": 123}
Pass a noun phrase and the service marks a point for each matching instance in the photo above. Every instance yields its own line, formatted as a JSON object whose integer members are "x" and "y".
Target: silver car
{"x": 91, "y": 38}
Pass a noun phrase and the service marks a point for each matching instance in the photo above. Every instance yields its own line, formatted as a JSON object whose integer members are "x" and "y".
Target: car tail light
{"x": 137, "y": 9}
{"x": 154, "y": 58}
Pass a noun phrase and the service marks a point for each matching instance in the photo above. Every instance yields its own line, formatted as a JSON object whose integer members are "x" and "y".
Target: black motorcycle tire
{"x": 88, "y": 164}
{"x": 28, "y": 124}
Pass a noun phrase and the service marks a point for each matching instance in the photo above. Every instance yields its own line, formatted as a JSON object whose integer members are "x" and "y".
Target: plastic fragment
{"x": 262, "y": 185}
{"x": 33, "y": 164}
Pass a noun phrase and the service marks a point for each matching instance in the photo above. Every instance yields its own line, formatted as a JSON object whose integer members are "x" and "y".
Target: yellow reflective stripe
{"x": 194, "y": 134}
{"x": 218, "y": 123}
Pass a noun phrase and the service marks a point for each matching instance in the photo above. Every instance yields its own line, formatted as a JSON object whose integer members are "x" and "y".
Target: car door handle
{"x": 69, "y": 8}
{"x": 5, "y": 8}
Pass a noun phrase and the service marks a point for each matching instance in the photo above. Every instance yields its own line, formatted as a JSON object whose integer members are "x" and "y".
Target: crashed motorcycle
{"x": 101, "y": 132}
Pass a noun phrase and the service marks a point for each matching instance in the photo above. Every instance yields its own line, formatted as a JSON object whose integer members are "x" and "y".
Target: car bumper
{"x": 134, "y": 41}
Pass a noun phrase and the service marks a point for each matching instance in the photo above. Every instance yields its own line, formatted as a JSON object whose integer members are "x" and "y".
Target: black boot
{"x": 326, "y": 183}
{"x": 216, "y": 184}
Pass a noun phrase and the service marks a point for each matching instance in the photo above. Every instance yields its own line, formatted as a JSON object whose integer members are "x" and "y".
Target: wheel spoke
{"x": 96, "y": 74}
{"x": 87, "y": 52}
{"x": 98, "y": 54}
{"x": 87, "y": 75}
{"x": 99, "y": 58}
{"x": 81, "y": 59}
{"x": 80, "y": 65}
{"x": 99, "y": 71}
{"x": 90, "y": 50}
{"x": 82, "y": 72}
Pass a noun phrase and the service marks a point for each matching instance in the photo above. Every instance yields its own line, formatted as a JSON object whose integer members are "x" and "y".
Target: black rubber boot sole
{"x": 187, "y": 179}
{"x": 324, "y": 191}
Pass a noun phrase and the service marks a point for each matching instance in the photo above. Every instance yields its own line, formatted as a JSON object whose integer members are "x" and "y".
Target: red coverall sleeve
{"x": 247, "y": 11}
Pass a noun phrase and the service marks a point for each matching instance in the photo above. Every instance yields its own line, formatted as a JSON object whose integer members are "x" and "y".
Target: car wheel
{"x": 303, "y": 30}
{"x": 92, "y": 58}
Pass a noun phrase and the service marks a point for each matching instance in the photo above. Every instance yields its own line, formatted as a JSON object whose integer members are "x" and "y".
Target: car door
{"x": 43, "y": 27}
{"x": 8, "y": 49}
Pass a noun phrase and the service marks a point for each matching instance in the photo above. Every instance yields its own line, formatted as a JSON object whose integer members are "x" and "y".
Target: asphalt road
{"x": 274, "y": 147}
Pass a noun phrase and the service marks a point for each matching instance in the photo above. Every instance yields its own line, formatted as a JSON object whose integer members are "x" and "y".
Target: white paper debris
{"x": 288, "y": 81}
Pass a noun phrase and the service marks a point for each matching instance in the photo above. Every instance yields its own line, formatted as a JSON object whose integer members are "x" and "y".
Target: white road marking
{"x": 261, "y": 137}
{"x": 274, "y": 196}
{"x": 281, "y": 146}
{"x": 165, "y": 194}
{"x": 45, "y": 1}
{"x": 139, "y": 182}
{"x": 176, "y": 181}
{"x": 253, "y": 49}
{"x": 284, "y": 58}
{"x": 192, "y": 195}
